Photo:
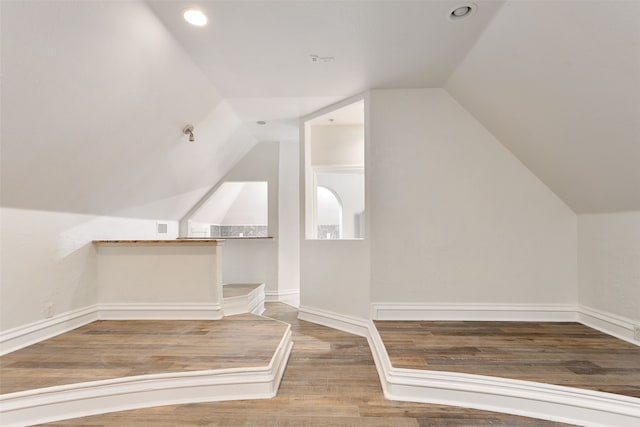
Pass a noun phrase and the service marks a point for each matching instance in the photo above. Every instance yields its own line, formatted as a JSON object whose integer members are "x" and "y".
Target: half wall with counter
{"x": 160, "y": 279}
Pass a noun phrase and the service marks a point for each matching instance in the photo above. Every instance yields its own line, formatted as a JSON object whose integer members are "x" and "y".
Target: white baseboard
{"x": 287, "y": 296}
{"x": 475, "y": 312}
{"x": 353, "y": 325}
{"x": 525, "y": 398}
{"x": 617, "y": 326}
{"x": 23, "y": 336}
{"x": 159, "y": 311}
{"x": 253, "y": 302}
{"x": 99, "y": 397}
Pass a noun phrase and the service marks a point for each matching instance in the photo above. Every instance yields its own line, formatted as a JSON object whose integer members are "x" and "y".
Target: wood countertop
{"x": 163, "y": 242}
{"x": 180, "y": 240}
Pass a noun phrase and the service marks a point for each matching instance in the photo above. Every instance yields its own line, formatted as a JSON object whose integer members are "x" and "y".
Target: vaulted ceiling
{"x": 558, "y": 83}
{"x": 259, "y": 53}
{"x": 95, "y": 94}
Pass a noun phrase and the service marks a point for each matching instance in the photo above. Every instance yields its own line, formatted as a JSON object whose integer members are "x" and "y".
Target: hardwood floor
{"x": 330, "y": 380}
{"x": 120, "y": 348}
{"x": 237, "y": 290}
{"x": 568, "y": 354}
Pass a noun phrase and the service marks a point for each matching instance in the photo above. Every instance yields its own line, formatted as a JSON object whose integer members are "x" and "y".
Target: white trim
{"x": 32, "y": 333}
{"x": 351, "y": 324}
{"x": 159, "y": 311}
{"x": 99, "y": 397}
{"x": 526, "y": 398}
{"x": 287, "y": 296}
{"x": 253, "y": 302}
{"x": 23, "y": 336}
{"x": 479, "y": 312}
{"x": 611, "y": 324}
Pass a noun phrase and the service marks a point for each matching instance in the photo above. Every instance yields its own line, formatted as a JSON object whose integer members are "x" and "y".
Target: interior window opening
{"x": 235, "y": 209}
{"x": 335, "y": 174}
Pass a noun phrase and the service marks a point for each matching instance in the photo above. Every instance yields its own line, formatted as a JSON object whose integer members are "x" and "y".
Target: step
{"x": 243, "y": 298}
{"x": 239, "y": 357}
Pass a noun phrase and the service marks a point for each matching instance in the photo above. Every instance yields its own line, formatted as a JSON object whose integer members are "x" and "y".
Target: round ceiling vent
{"x": 462, "y": 11}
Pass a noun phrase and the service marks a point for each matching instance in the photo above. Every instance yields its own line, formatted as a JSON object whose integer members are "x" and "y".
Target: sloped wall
{"x": 558, "y": 83}
{"x": 94, "y": 98}
{"x": 455, "y": 217}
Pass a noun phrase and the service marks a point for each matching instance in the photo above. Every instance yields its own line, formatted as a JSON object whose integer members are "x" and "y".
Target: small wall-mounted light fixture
{"x": 188, "y": 130}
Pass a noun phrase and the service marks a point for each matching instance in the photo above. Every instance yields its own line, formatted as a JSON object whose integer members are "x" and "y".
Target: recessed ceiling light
{"x": 261, "y": 122}
{"x": 195, "y": 17}
{"x": 463, "y": 11}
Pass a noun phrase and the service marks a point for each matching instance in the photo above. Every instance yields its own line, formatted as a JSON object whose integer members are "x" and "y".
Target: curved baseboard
{"x": 98, "y": 397}
{"x": 525, "y": 398}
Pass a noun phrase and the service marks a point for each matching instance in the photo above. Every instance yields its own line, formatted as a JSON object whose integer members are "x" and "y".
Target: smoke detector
{"x": 316, "y": 59}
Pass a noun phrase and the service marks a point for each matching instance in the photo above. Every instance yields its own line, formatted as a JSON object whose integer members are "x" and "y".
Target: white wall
{"x": 334, "y": 274}
{"x": 94, "y": 98}
{"x": 188, "y": 272}
{"x": 349, "y": 187}
{"x": 455, "y": 217}
{"x": 250, "y": 207}
{"x": 289, "y": 217}
{"x": 328, "y": 206}
{"x": 48, "y": 257}
{"x": 235, "y": 203}
{"x": 609, "y": 263}
{"x": 247, "y": 261}
{"x": 558, "y": 83}
{"x": 337, "y": 145}
{"x": 251, "y": 261}
{"x": 274, "y": 262}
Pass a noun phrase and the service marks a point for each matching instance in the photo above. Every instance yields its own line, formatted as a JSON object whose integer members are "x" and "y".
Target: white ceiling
{"x": 89, "y": 88}
{"x": 558, "y": 83}
{"x": 351, "y": 114}
{"x": 94, "y": 99}
{"x": 258, "y": 53}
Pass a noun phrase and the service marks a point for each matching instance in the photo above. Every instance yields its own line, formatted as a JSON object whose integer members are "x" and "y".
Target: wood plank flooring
{"x": 330, "y": 380}
{"x": 119, "y": 348}
{"x": 238, "y": 290}
{"x": 568, "y": 354}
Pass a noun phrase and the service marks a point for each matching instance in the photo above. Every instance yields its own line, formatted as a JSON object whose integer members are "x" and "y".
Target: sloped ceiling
{"x": 558, "y": 82}
{"x": 94, "y": 99}
{"x": 95, "y": 93}
{"x": 258, "y": 53}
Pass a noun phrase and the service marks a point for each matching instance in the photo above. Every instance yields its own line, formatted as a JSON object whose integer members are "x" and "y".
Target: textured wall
{"x": 609, "y": 262}
{"x": 455, "y": 217}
